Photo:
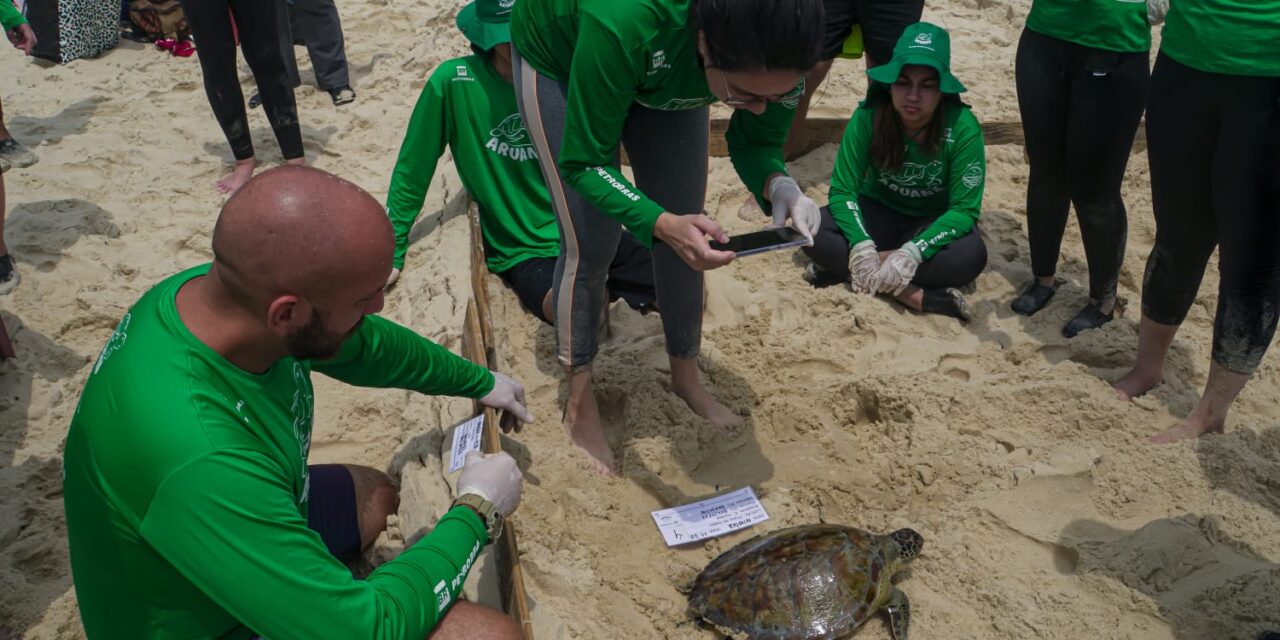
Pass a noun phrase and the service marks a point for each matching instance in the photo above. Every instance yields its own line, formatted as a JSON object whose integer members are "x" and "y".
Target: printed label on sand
{"x": 466, "y": 438}
{"x": 710, "y": 518}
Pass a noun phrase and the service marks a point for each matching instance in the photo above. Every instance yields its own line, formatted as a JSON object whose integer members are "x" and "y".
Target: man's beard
{"x": 313, "y": 342}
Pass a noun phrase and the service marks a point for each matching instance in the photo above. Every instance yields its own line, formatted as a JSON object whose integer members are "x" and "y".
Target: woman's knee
{"x": 956, "y": 265}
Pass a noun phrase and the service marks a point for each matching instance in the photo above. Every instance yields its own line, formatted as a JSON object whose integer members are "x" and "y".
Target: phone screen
{"x": 761, "y": 241}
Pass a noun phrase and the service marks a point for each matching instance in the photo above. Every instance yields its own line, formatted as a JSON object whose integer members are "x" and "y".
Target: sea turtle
{"x": 813, "y": 582}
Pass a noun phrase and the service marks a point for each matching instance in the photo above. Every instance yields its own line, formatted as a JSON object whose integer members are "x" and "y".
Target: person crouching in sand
{"x": 191, "y": 509}
{"x": 911, "y": 170}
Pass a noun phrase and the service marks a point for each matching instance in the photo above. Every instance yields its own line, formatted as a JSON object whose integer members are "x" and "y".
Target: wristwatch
{"x": 485, "y": 509}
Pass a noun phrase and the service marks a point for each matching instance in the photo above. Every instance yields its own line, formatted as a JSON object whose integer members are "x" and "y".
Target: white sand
{"x": 1045, "y": 513}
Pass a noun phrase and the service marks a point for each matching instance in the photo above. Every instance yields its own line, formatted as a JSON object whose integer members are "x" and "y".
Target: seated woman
{"x": 907, "y": 186}
{"x": 469, "y": 105}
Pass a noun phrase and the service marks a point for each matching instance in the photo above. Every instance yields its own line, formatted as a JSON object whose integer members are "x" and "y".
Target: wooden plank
{"x": 479, "y": 282}
{"x": 511, "y": 575}
{"x": 820, "y": 131}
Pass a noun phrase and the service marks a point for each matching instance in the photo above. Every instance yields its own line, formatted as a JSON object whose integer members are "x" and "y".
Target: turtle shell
{"x": 814, "y": 582}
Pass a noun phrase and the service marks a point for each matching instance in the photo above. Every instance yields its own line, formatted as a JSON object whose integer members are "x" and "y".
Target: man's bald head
{"x": 300, "y": 231}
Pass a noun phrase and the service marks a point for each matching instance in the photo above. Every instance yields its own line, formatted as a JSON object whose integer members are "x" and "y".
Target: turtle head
{"x": 908, "y": 542}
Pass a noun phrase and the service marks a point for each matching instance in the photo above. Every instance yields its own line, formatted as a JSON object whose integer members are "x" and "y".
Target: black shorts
{"x": 882, "y": 24}
{"x": 630, "y": 278}
{"x": 332, "y": 511}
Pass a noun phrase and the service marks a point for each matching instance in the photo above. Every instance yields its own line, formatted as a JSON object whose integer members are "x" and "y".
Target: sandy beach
{"x": 1045, "y": 512}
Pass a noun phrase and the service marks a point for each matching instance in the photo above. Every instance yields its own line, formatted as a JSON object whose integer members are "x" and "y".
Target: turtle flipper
{"x": 899, "y": 610}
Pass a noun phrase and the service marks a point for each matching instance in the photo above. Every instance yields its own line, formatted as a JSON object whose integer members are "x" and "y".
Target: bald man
{"x": 191, "y": 510}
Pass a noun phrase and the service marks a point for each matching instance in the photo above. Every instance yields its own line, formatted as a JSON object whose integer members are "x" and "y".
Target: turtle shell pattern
{"x": 813, "y": 582}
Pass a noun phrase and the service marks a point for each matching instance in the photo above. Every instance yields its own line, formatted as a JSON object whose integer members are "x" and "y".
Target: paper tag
{"x": 710, "y": 518}
{"x": 466, "y": 438}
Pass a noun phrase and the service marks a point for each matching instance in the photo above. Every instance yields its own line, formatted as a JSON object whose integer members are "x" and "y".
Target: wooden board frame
{"x": 820, "y": 131}
{"x": 478, "y": 346}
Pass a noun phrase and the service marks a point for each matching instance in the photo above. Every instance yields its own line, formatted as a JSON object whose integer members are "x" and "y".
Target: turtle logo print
{"x": 915, "y": 180}
{"x": 972, "y": 176}
{"x": 511, "y": 140}
{"x": 117, "y": 340}
{"x": 923, "y": 41}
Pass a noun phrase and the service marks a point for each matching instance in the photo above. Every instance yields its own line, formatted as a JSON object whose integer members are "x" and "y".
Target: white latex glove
{"x": 494, "y": 477}
{"x": 898, "y": 269}
{"x": 790, "y": 202}
{"x": 508, "y": 396}
{"x": 1156, "y": 10}
{"x": 864, "y": 263}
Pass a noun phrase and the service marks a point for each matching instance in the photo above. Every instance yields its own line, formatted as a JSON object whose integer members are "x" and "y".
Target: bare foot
{"x": 1193, "y": 427}
{"x": 686, "y": 382}
{"x": 238, "y": 176}
{"x": 586, "y": 431}
{"x": 701, "y": 402}
{"x": 1136, "y": 383}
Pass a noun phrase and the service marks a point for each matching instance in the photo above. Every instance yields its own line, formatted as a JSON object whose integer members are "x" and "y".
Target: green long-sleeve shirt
{"x": 1111, "y": 25}
{"x": 1229, "y": 37}
{"x": 468, "y": 107}
{"x": 948, "y": 185}
{"x": 10, "y": 17}
{"x": 615, "y": 53}
{"x": 186, "y": 490}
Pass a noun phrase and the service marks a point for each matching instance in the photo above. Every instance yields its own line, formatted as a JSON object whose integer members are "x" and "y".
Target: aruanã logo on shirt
{"x": 915, "y": 180}
{"x": 511, "y": 140}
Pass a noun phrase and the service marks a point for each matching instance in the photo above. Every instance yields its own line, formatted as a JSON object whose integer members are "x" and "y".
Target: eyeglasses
{"x": 740, "y": 102}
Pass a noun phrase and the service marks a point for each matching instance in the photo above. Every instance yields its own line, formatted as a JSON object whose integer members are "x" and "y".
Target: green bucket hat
{"x": 923, "y": 44}
{"x": 486, "y": 23}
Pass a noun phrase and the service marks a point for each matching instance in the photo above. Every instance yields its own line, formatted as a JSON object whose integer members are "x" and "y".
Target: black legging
{"x": 955, "y": 265}
{"x": 1214, "y": 145}
{"x": 258, "y": 23}
{"x": 1080, "y": 109}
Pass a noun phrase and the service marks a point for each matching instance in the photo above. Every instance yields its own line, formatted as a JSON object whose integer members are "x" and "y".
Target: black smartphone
{"x": 762, "y": 241}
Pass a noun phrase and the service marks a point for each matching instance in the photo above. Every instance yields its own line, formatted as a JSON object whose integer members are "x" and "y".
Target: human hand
{"x": 898, "y": 269}
{"x": 790, "y": 202}
{"x": 864, "y": 263}
{"x": 508, "y": 396}
{"x": 494, "y": 477}
{"x": 23, "y": 37}
{"x": 687, "y": 236}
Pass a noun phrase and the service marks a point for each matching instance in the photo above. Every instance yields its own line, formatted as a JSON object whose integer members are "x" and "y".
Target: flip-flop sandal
{"x": 166, "y": 44}
{"x": 1033, "y": 299}
{"x": 1090, "y": 317}
{"x": 342, "y": 95}
{"x": 184, "y": 49}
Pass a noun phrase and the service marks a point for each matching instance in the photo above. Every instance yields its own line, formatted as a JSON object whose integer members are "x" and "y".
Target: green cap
{"x": 486, "y": 23}
{"x": 923, "y": 44}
